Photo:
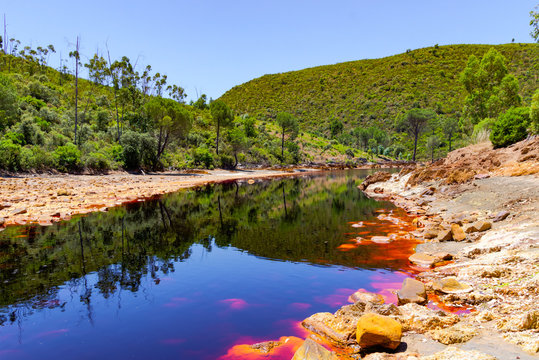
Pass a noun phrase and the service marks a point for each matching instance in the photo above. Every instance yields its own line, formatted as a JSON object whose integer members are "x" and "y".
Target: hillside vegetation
{"x": 376, "y": 91}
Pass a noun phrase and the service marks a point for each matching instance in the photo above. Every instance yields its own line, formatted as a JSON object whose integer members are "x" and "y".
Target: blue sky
{"x": 211, "y": 46}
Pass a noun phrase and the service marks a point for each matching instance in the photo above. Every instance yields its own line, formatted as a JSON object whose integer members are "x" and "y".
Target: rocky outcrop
{"x": 454, "y": 353}
{"x": 375, "y": 330}
{"x": 414, "y": 317}
{"x": 450, "y": 285}
{"x": 366, "y": 297}
{"x": 455, "y": 334}
{"x": 374, "y": 178}
{"x": 311, "y": 350}
{"x": 412, "y": 291}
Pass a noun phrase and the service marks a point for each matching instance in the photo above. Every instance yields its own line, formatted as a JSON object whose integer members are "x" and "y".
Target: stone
{"x": 4, "y": 206}
{"x": 457, "y": 233}
{"x": 445, "y": 235}
{"x": 375, "y": 330}
{"x": 2, "y": 221}
{"x": 502, "y": 215}
{"x": 398, "y": 356}
{"x": 374, "y": 178}
{"x": 478, "y": 226}
{"x": 17, "y": 211}
{"x": 414, "y": 317}
{"x": 338, "y": 328}
{"x": 423, "y": 260}
{"x": 442, "y": 256}
{"x": 454, "y": 353}
{"x": 311, "y": 350}
{"x": 528, "y": 341}
{"x": 456, "y": 334}
{"x": 62, "y": 192}
{"x": 366, "y": 297}
{"x": 381, "y": 239}
{"x": 412, "y": 291}
{"x": 266, "y": 346}
{"x": 378, "y": 190}
{"x": 430, "y": 234}
{"x": 450, "y": 285}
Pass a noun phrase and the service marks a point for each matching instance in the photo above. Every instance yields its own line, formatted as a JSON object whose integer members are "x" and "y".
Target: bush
{"x": 10, "y": 155}
{"x": 35, "y": 158}
{"x": 226, "y": 161}
{"x": 203, "y": 156}
{"x": 67, "y": 158}
{"x": 510, "y": 127}
{"x": 349, "y": 152}
{"x": 138, "y": 150}
{"x": 97, "y": 162}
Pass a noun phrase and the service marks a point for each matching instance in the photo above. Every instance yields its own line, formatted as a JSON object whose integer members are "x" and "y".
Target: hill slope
{"x": 374, "y": 91}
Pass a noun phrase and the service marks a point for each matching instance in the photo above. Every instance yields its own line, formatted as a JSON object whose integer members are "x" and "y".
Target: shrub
{"x": 67, "y": 157}
{"x": 510, "y": 127}
{"x": 203, "y": 156}
{"x": 350, "y": 153}
{"x": 35, "y": 158}
{"x": 10, "y": 155}
{"x": 226, "y": 161}
{"x": 97, "y": 161}
{"x": 138, "y": 150}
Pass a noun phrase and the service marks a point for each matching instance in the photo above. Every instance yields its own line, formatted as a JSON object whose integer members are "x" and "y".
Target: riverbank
{"x": 45, "y": 199}
{"x": 477, "y": 214}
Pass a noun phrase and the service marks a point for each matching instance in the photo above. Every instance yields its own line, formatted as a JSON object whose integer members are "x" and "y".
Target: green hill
{"x": 375, "y": 91}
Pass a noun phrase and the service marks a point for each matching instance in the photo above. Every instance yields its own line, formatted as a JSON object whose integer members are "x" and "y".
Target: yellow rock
{"x": 457, "y": 232}
{"x": 378, "y": 330}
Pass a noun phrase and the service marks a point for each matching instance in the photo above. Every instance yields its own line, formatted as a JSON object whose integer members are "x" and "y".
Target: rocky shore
{"x": 477, "y": 295}
{"x": 44, "y": 199}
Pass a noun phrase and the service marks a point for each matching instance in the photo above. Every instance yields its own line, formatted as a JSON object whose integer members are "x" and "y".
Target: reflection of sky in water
{"x": 214, "y": 298}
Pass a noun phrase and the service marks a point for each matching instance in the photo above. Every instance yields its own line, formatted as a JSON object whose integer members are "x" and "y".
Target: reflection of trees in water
{"x": 291, "y": 219}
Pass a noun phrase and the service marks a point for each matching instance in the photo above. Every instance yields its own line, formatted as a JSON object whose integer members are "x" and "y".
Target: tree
{"x": 416, "y": 121}
{"x": 177, "y": 93}
{"x": 490, "y": 88}
{"x": 534, "y": 23}
{"x": 222, "y": 116}
{"x": 534, "y": 113}
{"x": 8, "y": 103}
{"x": 201, "y": 102}
{"x": 97, "y": 69}
{"x": 433, "y": 143}
{"x": 170, "y": 121}
{"x": 238, "y": 142}
{"x": 76, "y": 55}
{"x": 288, "y": 124}
{"x": 450, "y": 126}
{"x": 335, "y": 127}
{"x": 510, "y": 127}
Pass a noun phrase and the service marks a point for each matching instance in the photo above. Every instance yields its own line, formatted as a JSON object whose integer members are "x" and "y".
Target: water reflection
{"x": 81, "y": 271}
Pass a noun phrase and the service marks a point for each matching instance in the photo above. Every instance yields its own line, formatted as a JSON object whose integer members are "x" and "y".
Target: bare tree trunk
{"x": 217, "y": 141}
{"x": 76, "y": 87}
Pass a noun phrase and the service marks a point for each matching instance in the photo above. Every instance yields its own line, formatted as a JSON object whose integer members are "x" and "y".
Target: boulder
{"x": 375, "y": 330}
{"x": 478, "y": 226}
{"x": 457, "y": 233}
{"x": 502, "y": 215}
{"x": 430, "y": 234}
{"x": 450, "y": 285}
{"x": 338, "y": 328}
{"x": 445, "y": 235}
{"x": 366, "y": 297}
{"x": 311, "y": 350}
{"x": 412, "y": 291}
{"x": 266, "y": 346}
{"x": 374, "y": 178}
{"x": 456, "y": 334}
{"x": 423, "y": 260}
{"x": 414, "y": 317}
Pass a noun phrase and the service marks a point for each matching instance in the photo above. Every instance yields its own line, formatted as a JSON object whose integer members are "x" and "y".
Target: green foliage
{"x": 97, "y": 161}
{"x": 10, "y": 155}
{"x": 534, "y": 23}
{"x": 202, "y": 156}
{"x": 534, "y": 113}
{"x": 376, "y": 91}
{"x": 510, "y": 127}
{"x": 8, "y": 102}
{"x": 335, "y": 128}
{"x": 67, "y": 157}
{"x": 138, "y": 150}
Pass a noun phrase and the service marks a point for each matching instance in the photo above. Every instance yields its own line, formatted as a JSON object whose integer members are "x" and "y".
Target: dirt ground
{"x": 45, "y": 199}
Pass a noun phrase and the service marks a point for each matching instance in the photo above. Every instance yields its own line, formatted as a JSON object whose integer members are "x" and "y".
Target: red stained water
{"x": 234, "y": 304}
